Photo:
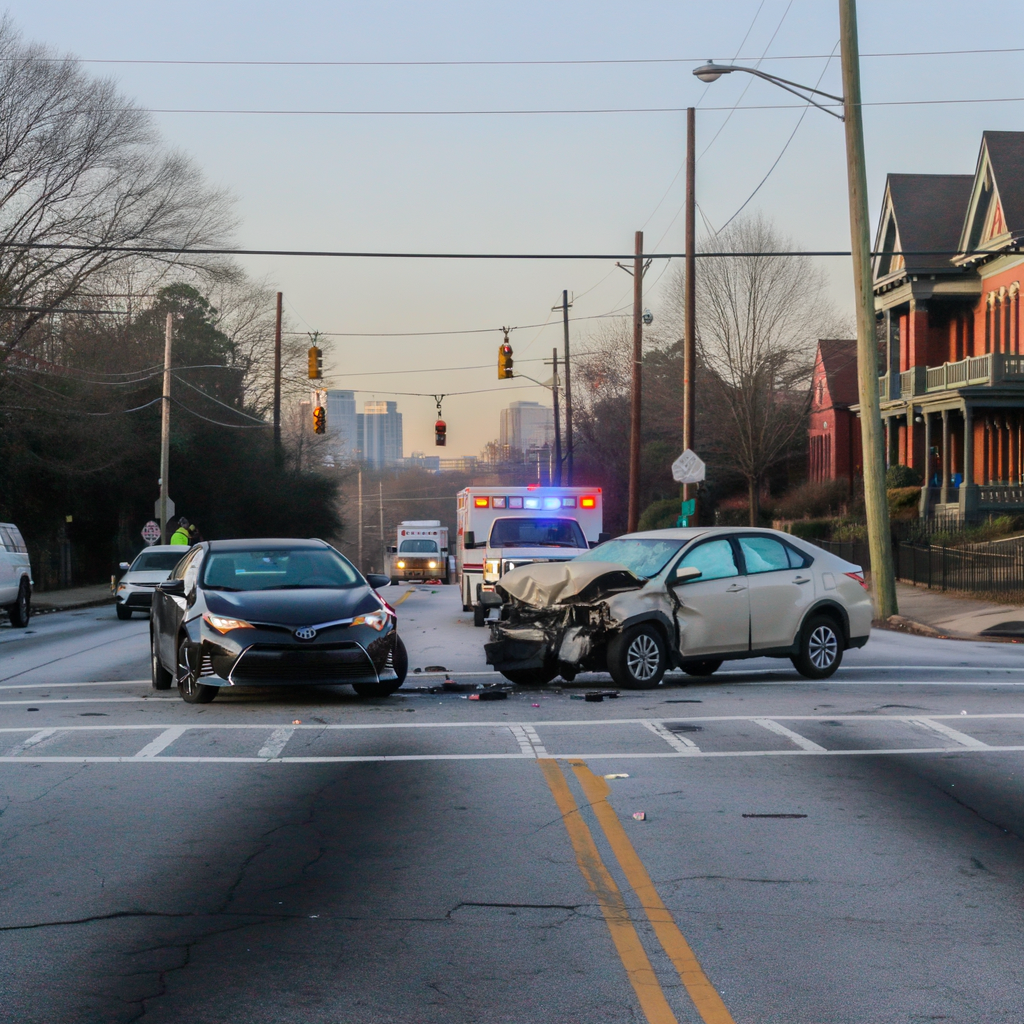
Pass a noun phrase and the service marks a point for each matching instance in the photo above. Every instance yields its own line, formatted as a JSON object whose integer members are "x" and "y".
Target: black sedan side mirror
{"x": 377, "y": 580}
{"x": 176, "y": 588}
{"x": 684, "y": 574}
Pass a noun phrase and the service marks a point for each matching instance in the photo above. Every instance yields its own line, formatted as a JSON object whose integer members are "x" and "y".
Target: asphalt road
{"x": 845, "y": 851}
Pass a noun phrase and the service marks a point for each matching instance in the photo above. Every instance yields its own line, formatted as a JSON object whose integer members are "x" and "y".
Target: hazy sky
{"x": 524, "y": 183}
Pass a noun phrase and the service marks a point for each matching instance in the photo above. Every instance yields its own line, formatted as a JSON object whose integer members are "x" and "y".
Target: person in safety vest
{"x": 181, "y": 535}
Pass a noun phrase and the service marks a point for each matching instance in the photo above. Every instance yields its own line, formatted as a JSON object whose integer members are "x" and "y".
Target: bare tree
{"x": 82, "y": 175}
{"x": 758, "y": 320}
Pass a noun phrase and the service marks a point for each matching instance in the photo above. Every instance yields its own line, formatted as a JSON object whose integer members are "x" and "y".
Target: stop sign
{"x": 151, "y": 532}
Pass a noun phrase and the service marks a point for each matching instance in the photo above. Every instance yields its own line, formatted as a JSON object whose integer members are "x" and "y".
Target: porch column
{"x": 926, "y": 490}
{"x": 944, "y": 494}
{"x": 1011, "y": 427}
{"x": 968, "y": 470}
{"x": 989, "y": 474}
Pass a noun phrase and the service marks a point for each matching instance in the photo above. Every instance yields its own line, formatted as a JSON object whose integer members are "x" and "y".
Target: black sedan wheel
{"x": 821, "y": 648}
{"x": 162, "y": 679}
{"x": 636, "y": 658}
{"x": 400, "y": 663}
{"x": 192, "y": 691}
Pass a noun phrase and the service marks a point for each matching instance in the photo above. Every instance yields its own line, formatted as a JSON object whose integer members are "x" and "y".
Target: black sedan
{"x": 268, "y": 612}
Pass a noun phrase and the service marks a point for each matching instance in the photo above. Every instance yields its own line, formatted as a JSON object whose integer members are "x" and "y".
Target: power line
{"x": 500, "y": 63}
{"x": 434, "y": 334}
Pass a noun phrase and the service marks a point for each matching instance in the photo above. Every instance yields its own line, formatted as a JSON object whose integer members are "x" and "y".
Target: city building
{"x": 379, "y": 434}
{"x": 526, "y": 426}
{"x": 342, "y": 426}
{"x": 946, "y": 279}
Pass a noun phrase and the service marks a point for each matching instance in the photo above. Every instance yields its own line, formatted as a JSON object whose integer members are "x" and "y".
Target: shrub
{"x": 849, "y": 531}
{"x": 903, "y": 501}
{"x": 901, "y": 477}
{"x": 811, "y": 529}
{"x": 660, "y": 515}
{"x": 812, "y": 500}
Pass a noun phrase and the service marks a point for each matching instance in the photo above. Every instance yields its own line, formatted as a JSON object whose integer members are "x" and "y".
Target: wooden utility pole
{"x": 557, "y": 480}
{"x": 568, "y": 391}
{"x": 633, "y": 517}
{"x": 690, "y": 303}
{"x": 165, "y": 427}
{"x": 277, "y": 385}
{"x": 875, "y": 500}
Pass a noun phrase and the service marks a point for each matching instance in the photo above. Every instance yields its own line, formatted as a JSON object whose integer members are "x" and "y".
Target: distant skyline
{"x": 523, "y": 183}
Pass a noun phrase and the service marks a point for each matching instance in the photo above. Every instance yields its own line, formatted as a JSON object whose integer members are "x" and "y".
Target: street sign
{"x": 170, "y": 508}
{"x": 687, "y": 509}
{"x": 688, "y": 468}
{"x": 151, "y": 532}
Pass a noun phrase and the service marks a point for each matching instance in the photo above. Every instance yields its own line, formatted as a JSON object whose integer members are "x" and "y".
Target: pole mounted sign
{"x": 151, "y": 532}
{"x": 688, "y": 468}
{"x": 170, "y": 509}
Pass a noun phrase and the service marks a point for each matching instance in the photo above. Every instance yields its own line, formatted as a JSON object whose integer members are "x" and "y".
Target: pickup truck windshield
{"x": 418, "y": 547}
{"x": 536, "y": 533}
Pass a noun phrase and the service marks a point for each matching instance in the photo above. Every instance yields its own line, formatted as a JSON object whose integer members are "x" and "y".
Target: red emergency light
{"x": 481, "y": 502}
{"x": 588, "y": 501}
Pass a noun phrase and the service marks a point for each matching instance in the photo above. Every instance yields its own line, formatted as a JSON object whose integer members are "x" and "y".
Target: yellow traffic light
{"x": 505, "y": 361}
{"x": 319, "y": 420}
{"x": 316, "y": 363}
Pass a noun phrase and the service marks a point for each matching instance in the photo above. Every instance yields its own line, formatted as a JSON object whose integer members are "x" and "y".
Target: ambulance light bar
{"x": 549, "y": 504}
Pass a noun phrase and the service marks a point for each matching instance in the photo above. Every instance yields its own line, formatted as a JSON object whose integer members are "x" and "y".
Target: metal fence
{"x": 993, "y": 567}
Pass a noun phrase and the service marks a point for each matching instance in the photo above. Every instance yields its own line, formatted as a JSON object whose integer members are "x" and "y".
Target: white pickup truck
{"x": 501, "y": 528}
{"x": 15, "y": 575}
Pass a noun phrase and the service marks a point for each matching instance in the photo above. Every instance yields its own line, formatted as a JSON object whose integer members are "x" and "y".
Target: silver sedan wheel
{"x": 822, "y": 647}
{"x": 643, "y": 657}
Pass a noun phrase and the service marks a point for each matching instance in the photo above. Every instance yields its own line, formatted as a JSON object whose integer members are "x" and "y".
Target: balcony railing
{"x": 994, "y": 368}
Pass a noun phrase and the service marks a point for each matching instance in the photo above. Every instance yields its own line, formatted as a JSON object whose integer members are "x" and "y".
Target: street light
{"x": 875, "y": 499}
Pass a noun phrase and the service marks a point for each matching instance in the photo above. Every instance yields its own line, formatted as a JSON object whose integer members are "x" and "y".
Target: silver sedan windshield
{"x": 643, "y": 558}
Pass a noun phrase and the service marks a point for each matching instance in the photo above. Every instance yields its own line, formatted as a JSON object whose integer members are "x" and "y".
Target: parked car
{"x": 689, "y": 598}
{"x": 15, "y": 576}
{"x": 267, "y": 612}
{"x": 151, "y": 566}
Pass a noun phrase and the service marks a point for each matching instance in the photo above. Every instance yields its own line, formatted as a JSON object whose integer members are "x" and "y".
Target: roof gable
{"x": 921, "y": 214}
{"x": 835, "y": 373}
{"x": 995, "y": 212}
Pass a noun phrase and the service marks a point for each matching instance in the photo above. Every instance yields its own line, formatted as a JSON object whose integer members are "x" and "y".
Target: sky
{"x": 524, "y": 183}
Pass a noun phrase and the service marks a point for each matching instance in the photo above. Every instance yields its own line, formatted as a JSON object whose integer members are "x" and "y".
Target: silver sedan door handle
{"x": 735, "y": 588}
{"x": 801, "y": 579}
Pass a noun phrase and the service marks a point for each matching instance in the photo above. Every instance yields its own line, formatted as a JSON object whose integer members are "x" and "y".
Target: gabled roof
{"x": 921, "y": 213}
{"x": 995, "y": 210}
{"x": 838, "y": 360}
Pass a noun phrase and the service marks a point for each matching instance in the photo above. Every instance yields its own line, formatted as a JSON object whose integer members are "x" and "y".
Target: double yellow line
{"x": 616, "y": 914}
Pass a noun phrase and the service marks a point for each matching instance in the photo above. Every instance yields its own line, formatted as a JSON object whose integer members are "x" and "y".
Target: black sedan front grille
{"x": 326, "y": 663}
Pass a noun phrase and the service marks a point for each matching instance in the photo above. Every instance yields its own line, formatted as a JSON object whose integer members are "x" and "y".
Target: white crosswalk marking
{"x": 780, "y": 730}
{"x": 276, "y": 742}
{"x": 531, "y": 735}
{"x": 674, "y": 740}
{"x": 162, "y": 742}
{"x": 953, "y": 734}
{"x": 528, "y": 740}
{"x": 30, "y": 742}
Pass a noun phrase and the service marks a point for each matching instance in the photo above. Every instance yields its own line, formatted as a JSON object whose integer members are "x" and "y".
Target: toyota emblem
{"x": 306, "y": 633}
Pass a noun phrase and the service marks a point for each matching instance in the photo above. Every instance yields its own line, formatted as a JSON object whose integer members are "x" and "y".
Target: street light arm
{"x": 782, "y": 83}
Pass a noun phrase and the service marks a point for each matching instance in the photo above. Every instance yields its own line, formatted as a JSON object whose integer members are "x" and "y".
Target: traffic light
{"x": 316, "y": 363}
{"x": 505, "y": 361}
{"x": 440, "y": 433}
{"x": 319, "y": 420}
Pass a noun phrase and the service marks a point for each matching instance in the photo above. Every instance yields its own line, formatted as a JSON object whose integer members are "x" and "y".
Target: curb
{"x": 901, "y": 624}
{"x": 47, "y": 609}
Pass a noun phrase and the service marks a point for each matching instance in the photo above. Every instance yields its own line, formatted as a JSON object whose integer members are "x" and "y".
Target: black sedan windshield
{"x": 643, "y": 558}
{"x": 278, "y": 569}
{"x": 536, "y": 533}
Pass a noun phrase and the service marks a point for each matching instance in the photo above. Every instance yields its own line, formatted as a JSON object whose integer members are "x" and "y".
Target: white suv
{"x": 15, "y": 575}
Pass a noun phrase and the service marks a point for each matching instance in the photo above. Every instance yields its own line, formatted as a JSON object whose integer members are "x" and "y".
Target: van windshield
{"x": 536, "y": 533}
{"x": 418, "y": 547}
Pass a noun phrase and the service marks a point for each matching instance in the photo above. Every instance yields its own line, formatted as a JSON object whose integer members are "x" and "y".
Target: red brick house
{"x": 947, "y": 291}
{"x": 834, "y": 451}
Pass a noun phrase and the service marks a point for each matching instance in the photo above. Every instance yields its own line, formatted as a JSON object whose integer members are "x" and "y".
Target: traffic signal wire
{"x": 207, "y": 395}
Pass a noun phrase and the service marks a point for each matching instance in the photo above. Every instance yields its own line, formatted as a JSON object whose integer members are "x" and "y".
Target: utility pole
{"x": 558, "y": 430}
{"x": 359, "y": 502}
{"x": 633, "y": 518}
{"x": 165, "y": 428}
{"x": 380, "y": 498}
{"x": 875, "y": 500}
{"x": 568, "y": 390}
{"x": 277, "y": 385}
{"x": 690, "y": 300}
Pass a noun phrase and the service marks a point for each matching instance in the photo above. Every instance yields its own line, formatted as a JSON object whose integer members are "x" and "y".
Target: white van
{"x": 15, "y": 575}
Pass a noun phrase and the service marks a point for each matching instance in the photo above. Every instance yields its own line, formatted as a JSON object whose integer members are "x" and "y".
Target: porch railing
{"x": 993, "y": 368}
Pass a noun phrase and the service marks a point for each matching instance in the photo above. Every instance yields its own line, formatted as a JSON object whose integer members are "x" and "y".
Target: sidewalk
{"x": 75, "y": 597}
{"x": 959, "y": 616}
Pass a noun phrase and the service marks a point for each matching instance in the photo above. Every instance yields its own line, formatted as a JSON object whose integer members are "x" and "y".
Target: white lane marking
{"x": 525, "y": 747}
{"x": 531, "y": 735}
{"x": 603, "y": 755}
{"x": 276, "y": 742}
{"x": 680, "y": 743}
{"x": 953, "y": 734}
{"x": 794, "y": 737}
{"x": 49, "y": 686}
{"x": 85, "y": 700}
{"x": 163, "y": 741}
{"x": 30, "y": 741}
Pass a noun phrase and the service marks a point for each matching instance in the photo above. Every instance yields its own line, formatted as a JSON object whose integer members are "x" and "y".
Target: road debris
{"x": 617, "y": 775}
{"x": 640, "y": 815}
{"x": 490, "y": 695}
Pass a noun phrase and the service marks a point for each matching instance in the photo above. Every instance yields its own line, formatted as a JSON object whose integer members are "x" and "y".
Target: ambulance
{"x": 501, "y": 528}
{"x": 420, "y": 551}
